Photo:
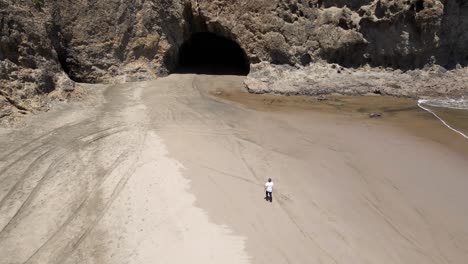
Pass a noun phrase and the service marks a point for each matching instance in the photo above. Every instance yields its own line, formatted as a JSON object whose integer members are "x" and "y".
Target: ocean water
{"x": 453, "y": 113}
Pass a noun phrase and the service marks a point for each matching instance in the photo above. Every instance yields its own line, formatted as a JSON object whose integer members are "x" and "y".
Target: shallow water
{"x": 453, "y": 113}
{"x": 400, "y": 113}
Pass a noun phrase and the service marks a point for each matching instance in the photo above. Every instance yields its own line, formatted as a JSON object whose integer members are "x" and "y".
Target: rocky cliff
{"x": 404, "y": 34}
{"x": 47, "y": 45}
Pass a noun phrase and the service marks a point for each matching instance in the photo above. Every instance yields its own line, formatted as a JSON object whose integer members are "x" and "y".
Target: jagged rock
{"x": 322, "y": 78}
{"x": 65, "y": 83}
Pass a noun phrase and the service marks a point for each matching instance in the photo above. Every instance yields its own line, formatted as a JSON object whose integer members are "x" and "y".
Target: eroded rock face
{"x": 29, "y": 67}
{"x": 118, "y": 41}
{"x": 101, "y": 40}
{"x": 404, "y": 34}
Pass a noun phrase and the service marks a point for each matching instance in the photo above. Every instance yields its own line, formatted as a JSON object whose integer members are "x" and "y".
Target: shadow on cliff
{"x": 208, "y": 53}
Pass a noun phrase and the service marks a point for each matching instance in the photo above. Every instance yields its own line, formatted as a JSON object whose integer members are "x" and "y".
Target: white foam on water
{"x": 461, "y": 103}
{"x": 445, "y": 103}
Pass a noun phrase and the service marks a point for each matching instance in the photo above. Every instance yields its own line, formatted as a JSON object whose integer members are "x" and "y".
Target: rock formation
{"x": 323, "y": 78}
{"x": 47, "y": 45}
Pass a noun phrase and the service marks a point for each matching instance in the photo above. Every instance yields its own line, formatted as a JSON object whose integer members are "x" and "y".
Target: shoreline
{"x": 401, "y": 112}
{"x": 316, "y": 79}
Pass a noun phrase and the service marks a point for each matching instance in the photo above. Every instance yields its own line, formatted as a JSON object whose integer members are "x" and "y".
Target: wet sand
{"x": 172, "y": 171}
{"x": 349, "y": 189}
{"x": 399, "y": 113}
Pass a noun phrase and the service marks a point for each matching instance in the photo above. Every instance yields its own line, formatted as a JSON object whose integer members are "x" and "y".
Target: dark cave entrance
{"x": 208, "y": 53}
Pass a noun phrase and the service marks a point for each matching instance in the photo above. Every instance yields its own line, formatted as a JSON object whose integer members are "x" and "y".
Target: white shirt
{"x": 269, "y": 186}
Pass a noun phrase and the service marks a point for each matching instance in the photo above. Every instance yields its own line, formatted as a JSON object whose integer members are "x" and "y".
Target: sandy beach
{"x": 172, "y": 171}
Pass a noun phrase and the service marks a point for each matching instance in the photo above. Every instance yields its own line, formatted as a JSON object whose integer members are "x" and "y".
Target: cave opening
{"x": 209, "y": 53}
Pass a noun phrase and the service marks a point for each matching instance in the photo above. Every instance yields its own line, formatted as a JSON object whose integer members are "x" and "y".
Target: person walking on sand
{"x": 269, "y": 190}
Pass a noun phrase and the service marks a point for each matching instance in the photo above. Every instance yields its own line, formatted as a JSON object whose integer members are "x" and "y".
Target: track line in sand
{"x": 83, "y": 204}
{"x": 21, "y": 158}
{"x": 72, "y": 243}
{"x": 33, "y": 192}
{"x": 31, "y": 152}
{"x": 35, "y": 148}
{"x": 31, "y": 167}
{"x": 45, "y": 135}
{"x": 30, "y": 196}
{"x": 115, "y": 192}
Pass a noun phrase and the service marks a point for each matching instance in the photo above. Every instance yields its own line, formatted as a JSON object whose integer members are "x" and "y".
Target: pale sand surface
{"x": 172, "y": 171}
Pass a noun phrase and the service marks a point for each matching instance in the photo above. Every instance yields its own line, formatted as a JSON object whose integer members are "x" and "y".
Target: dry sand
{"x": 172, "y": 171}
